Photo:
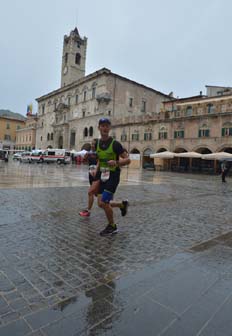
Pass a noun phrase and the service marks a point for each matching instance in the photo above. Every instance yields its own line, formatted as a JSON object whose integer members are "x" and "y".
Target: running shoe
{"x": 84, "y": 213}
{"x": 124, "y": 208}
{"x": 109, "y": 230}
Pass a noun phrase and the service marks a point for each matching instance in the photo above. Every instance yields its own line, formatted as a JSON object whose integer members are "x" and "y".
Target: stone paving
{"x": 59, "y": 277}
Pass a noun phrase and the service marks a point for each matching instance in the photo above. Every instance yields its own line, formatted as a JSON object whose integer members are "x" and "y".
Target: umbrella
{"x": 163, "y": 155}
{"x": 217, "y": 156}
{"x": 81, "y": 153}
{"x": 189, "y": 155}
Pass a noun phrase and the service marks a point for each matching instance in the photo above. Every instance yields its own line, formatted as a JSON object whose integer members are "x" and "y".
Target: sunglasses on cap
{"x": 104, "y": 121}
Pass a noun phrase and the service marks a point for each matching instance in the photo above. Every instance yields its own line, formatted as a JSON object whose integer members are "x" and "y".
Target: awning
{"x": 163, "y": 155}
{"x": 188, "y": 155}
{"x": 217, "y": 156}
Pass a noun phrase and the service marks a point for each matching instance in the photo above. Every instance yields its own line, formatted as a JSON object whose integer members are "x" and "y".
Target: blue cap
{"x": 104, "y": 121}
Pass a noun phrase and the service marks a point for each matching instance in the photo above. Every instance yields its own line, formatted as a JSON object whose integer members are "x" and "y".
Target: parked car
{"x": 17, "y": 156}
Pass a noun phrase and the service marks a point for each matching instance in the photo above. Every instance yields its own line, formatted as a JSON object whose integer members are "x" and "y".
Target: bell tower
{"x": 74, "y": 57}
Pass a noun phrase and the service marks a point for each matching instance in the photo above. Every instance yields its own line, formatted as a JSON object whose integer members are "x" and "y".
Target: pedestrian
{"x": 223, "y": 170}
{"x": 111, "y": 156}
{"x": 91, "y": 158}
{"x": 6, "y": 156}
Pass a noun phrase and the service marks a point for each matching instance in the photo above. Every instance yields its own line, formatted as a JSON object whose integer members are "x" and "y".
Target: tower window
{"x": 85, "y": 93}
{"x": 66, "y": 58}
{"x": 131, "y": 102}
{"x": 78, "y": 59}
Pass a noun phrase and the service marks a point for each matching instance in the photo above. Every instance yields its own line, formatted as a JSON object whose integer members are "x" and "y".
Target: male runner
{"x": 111, "y": 156}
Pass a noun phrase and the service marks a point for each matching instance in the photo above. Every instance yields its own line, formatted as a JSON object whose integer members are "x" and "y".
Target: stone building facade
{"x": 8, "y": 128}
{"x": 26, "y": 136}
{"x": 202, "y": 124}
{"x": 68, "y": 117}
{"x": 145, "y": 120}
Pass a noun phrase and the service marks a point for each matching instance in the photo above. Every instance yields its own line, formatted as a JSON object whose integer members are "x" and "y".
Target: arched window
{"x": 48, "y": 137}
{"x": 66, "y": 58}
{"x": 51, "y": 136}
{"x": 203, "y": 131}
{"x": 91, "y": 131}
{"x": 135, "y": 135}
{"x": 163, "y": 134}
{"x": 227, "y": 129}
{"x": 85, "y": 132}
{"x": 78, "y": 59}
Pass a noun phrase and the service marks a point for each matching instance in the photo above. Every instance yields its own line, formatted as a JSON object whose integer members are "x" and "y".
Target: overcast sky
{"x": 169, "y": 45}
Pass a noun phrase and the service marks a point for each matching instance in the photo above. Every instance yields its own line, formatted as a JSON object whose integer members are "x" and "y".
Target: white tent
{"x": 217, "y": 156}
{"x": 188, "y": 155}
{"x": 163, "y": 155}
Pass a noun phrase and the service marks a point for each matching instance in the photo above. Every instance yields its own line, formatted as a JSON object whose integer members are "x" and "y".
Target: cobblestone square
{"x": 58, "y": 276}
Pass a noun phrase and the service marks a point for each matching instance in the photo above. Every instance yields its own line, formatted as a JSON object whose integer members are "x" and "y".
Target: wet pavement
{"x": 167, "y": 272}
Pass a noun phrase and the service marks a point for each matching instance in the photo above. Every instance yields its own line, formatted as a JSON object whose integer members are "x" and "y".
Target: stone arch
{"x": 162, "y": 149}
{"x": 86, "y": 146}
{"x": 180, "y": 150}
{"x": 78, "y": 58}
{"x": 135, "y": 151}
{"x": 225, "y": 148}
{"x": 147, "y": 162}
{"x": 202, "y": 149}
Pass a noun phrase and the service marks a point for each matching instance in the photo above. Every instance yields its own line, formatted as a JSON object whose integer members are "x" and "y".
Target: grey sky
{"x": 170, "y": 45}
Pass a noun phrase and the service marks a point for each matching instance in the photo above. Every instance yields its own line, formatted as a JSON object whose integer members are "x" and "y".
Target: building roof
{"x": 103, "y": 71}
{"x": 186, "y": 99}
{"x": 11, "y": 115}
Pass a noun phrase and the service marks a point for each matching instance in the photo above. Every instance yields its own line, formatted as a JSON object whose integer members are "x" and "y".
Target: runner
{"x": 91, "y": 158}
{"x": 111, "y": 156}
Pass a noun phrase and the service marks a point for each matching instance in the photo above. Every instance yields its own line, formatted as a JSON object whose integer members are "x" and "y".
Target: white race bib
{"x": 105, "y": 174}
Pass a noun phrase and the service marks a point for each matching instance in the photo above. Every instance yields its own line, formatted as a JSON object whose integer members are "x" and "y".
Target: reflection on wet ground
{"x": 23, "y": 175}
{"x": 59, "y": 277}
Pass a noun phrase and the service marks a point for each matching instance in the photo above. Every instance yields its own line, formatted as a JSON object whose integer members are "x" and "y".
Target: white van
{"x": 56, "y": 155}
